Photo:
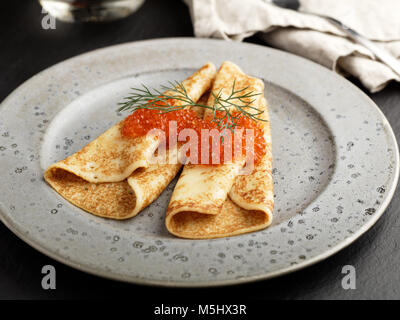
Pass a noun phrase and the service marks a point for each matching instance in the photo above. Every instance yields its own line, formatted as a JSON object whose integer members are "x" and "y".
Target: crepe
{"x": 216, "y": 201}
{"x": 113, "y": 175}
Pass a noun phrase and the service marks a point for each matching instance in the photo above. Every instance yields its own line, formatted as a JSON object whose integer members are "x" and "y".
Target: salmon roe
{"x": 141, "y": 121}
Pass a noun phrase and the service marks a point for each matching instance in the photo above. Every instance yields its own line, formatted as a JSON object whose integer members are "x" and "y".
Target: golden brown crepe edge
{"x": 265, "y": 209}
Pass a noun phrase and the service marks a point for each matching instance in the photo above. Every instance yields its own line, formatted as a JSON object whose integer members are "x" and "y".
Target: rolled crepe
{"x": 216, "y": 201}
{"x": 113, "y": 176}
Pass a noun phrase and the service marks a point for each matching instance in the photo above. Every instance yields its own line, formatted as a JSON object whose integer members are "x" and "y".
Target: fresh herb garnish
{"x": 226, "y": 111}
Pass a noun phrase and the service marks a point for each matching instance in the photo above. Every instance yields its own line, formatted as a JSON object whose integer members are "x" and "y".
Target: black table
{"x": 26, "y": 49}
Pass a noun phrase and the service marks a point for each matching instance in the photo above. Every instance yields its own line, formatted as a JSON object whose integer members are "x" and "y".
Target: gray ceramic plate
{"x": 336, "y": 165}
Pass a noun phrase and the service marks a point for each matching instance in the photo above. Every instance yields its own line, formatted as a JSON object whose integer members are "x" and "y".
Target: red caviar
{"x": 140, "y": 122}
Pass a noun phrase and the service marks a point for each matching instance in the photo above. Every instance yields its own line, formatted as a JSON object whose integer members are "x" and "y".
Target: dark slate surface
{"x": 27, "y": 49}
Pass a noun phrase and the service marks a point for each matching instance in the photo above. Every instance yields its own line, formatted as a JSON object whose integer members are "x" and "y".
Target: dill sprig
{"x": 226, "y": 111}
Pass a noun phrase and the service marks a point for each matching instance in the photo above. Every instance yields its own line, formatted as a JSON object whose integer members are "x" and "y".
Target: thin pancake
{"x": 200, "y": 207}
{"x": 255, "y": 191}
{"x": 94, "y": 178}
{"x": 248, "y": 208}
{"x": 148, "y": 183}
{"x": 111, "y": 157}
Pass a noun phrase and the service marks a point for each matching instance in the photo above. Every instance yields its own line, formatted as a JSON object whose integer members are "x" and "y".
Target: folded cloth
{"x": 310, "y": 36}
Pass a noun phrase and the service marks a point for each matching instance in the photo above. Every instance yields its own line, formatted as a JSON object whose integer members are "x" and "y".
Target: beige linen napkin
{"x": 309, "y": 36}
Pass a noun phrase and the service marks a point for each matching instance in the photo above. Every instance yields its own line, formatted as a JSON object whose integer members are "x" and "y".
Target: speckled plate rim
{"x": 362, "y": 229}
